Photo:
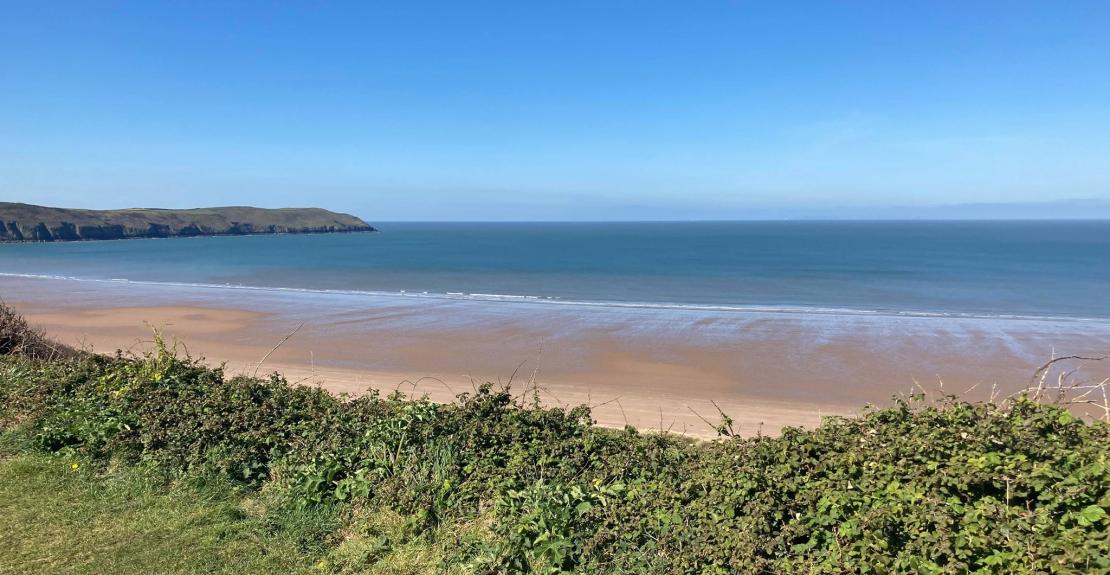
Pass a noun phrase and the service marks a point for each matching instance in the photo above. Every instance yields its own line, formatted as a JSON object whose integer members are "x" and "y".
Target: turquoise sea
{"x": 1004, "y": 268}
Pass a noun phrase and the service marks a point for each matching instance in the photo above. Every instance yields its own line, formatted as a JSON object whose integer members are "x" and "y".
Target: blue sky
{"x": 555, "y": 110}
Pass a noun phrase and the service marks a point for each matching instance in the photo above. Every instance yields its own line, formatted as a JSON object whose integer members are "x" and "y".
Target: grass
{"x": 57, "y": 516}
{"x": 60, "y": 515}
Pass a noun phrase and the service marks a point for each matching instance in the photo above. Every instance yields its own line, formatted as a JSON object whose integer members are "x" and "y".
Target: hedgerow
{"x": 920, "y": 487}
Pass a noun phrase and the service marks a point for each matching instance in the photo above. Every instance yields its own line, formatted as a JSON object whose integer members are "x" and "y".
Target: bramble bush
{"x": 920, "y": 487}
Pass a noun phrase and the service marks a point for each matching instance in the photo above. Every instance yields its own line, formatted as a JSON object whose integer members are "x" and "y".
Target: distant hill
{"x": 26, "y": 222}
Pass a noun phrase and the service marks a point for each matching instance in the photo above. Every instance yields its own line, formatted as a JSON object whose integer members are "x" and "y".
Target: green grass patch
{"x": 59, "y": 516}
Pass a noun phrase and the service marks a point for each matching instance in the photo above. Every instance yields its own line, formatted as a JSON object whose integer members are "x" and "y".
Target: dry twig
{"x": 273, "y": 349}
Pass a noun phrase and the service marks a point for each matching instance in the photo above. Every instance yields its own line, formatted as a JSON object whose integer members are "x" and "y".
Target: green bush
{"x": 948, "y": 487}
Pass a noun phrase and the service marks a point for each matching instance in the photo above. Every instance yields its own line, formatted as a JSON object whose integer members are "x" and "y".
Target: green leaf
{"x": 1091, "y": 515}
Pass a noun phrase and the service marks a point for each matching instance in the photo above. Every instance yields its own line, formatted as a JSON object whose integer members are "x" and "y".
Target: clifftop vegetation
{"x": 25, "y": 222}
{"x": 495, "y": 483}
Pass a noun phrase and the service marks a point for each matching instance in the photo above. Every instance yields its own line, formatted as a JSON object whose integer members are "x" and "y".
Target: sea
{"x": 944, "y": 268}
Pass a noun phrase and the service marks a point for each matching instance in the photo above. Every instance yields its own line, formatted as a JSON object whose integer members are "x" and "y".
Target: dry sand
{"x": 640, "y": 394}
{"x": 648, "y": 368}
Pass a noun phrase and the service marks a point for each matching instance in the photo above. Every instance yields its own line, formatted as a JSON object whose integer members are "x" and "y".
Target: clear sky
{"x": 555, "y": 110}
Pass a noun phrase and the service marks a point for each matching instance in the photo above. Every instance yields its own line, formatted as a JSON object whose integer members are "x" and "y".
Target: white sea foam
{"x": 553, "y": 300}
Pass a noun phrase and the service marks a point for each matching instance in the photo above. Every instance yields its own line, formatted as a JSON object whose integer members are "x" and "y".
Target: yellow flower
{"x": 74, "y": 466}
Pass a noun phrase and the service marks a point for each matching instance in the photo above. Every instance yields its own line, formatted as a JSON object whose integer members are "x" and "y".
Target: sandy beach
{"x": 651, "y": 368}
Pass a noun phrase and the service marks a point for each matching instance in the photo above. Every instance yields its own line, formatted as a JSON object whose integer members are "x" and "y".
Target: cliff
{"x": 26, "y": 222}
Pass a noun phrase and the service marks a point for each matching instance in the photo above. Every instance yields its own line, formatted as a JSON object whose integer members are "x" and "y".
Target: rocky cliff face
{"x": 20, "y": 222}
{"x": 68, "y": 232}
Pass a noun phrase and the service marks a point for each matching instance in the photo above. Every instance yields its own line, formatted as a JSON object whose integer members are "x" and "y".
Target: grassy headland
{"x": 498, "y": 484}
{"x": 25, "y": 222}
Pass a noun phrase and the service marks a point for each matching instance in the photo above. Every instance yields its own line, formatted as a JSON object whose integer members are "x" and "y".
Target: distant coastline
{"x": 31, "y": 223}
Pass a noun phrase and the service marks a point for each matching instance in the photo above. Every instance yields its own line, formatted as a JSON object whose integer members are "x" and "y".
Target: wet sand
{"x": 649, "y": 367}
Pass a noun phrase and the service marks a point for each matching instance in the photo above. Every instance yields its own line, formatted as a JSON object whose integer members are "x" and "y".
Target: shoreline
{"x": 557, "y": 301}
{"x": 638, "y": 366}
